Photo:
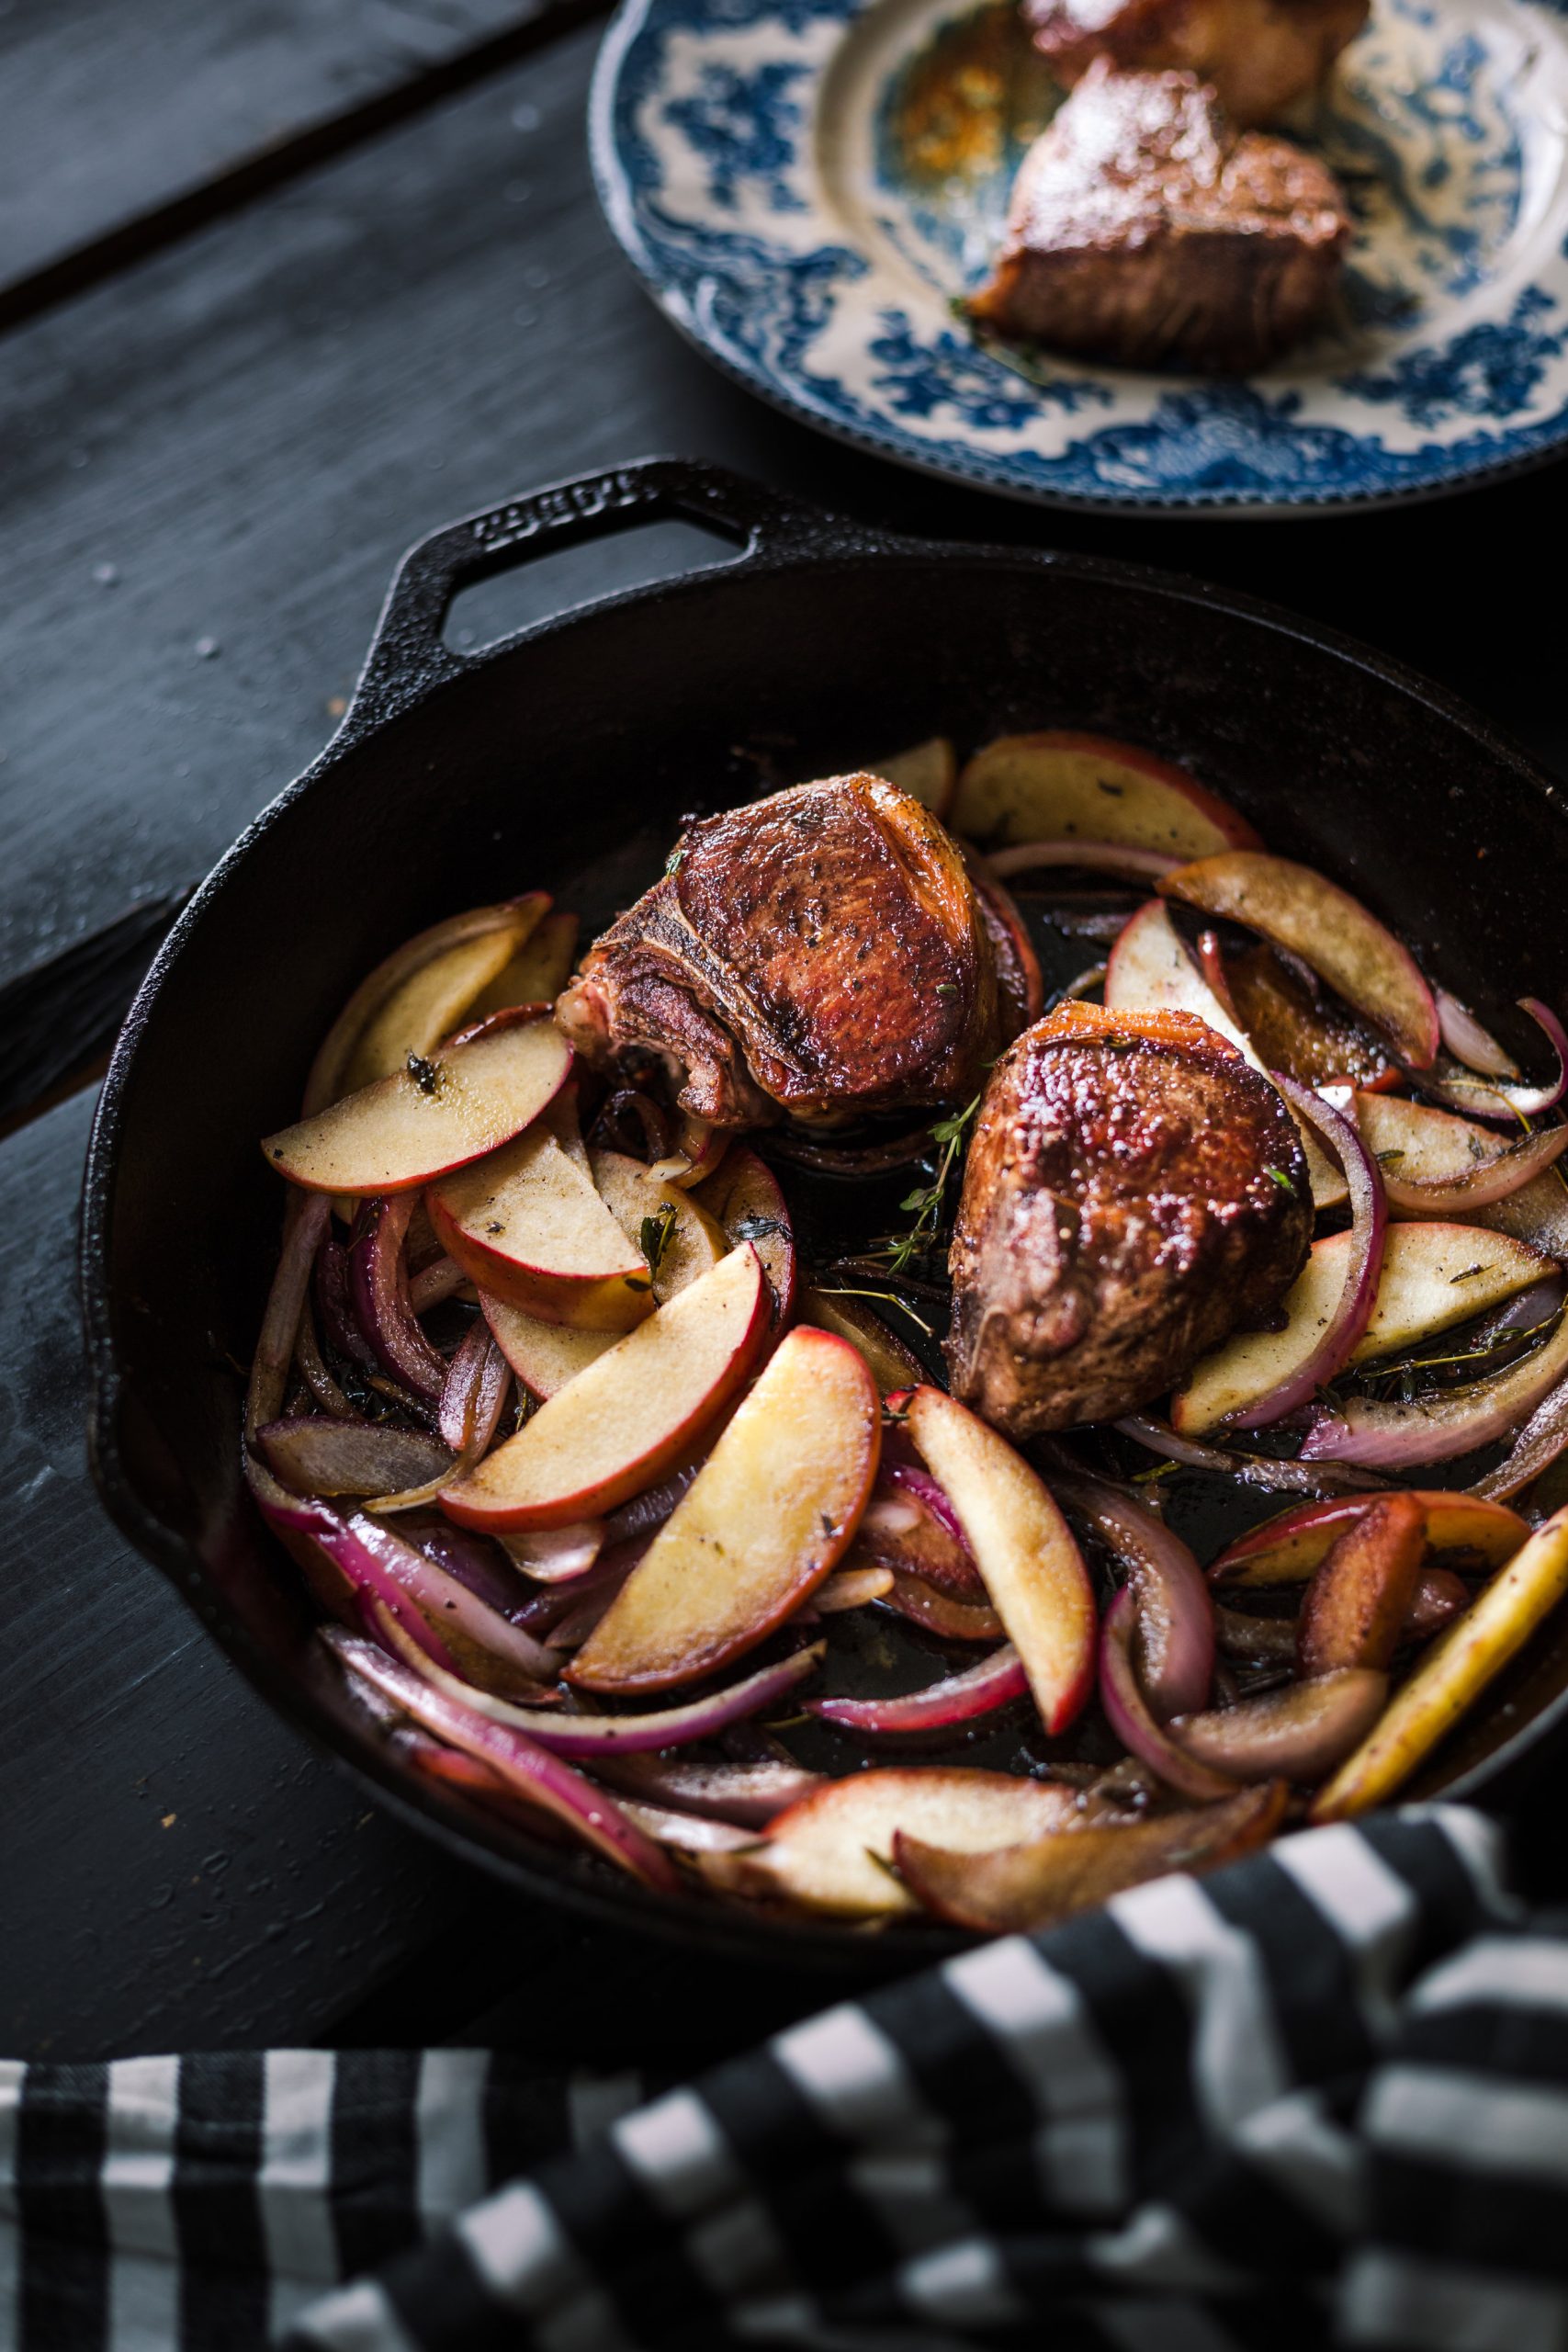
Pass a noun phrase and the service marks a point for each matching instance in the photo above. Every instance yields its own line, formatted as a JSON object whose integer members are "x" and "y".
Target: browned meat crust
{"x": 1261, "y": 55}
{"x": 1143, "y": 230}
{"x": 1134, "y": 1191}
{"x": 819, "y": 953}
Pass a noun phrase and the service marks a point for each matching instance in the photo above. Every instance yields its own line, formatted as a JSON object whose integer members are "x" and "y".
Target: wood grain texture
{"x": 114, "y": 115}
{"x": 179, "y": 1869}
{"x": 213, "y": 462}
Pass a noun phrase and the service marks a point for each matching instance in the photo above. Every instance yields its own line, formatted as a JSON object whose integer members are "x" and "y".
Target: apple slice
{"x": 1297, "y": 909}
{"x": 894, "y": 1367}
{"x": 1024, "y": 1550}
{"x": 1453, "y": 1674}
{"x": 539, "y": 970}
{"x": 544, "y": 1356}
{"x": 626, "y": 1420}
{"x": 485, "y": 1086}
{"x": 832, "y": 1852}
{"x": 434, "y": 999}
{"x": 527, "y": 1225}
{"x": 1355, "y": 1609}
{"x": 1017, "y": 1889}
{"x": 665, "y": 1225}
{"x": 1288, "y": 1547}
{"x": 744, "y": 1194}
{"x": 1436, "y": 1146}
{"x": 928, "y": 771}
{"x": 431, "y": 965}
{"x": 1055, "y": 786}
{"x": 1433, "y": 1277}
{"x": 1149, "y": 969}
{"x": 769, "y": 1515}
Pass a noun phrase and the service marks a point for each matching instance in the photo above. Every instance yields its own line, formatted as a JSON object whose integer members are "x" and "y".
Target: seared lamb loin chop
{"x": 1134, "y": 1191}
{"x": 1143, "y": 229}
{"x": 819, "y": 954}
{"x": 1260, "y": 55}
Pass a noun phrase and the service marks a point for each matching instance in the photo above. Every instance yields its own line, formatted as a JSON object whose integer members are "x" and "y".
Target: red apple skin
{"x": 673, "y": 1449}
{"x": 1229, "y": 823}
{"x": 743, "y": 1188}
{"x": 811, "y": 1574}
{"x": 586, "y": 1303}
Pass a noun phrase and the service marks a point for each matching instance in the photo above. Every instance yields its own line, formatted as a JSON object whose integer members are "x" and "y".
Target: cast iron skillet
{"x": 565, "y": 756}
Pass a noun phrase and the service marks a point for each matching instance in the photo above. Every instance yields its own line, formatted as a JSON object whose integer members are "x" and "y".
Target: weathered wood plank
{"x": 212, "y": 463}
{"x": 179, "y": 1869}
{"x": 116, "y": 118}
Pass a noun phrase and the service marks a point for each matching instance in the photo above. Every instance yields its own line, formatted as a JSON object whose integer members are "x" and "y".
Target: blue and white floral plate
{"x": 806, "y": 186}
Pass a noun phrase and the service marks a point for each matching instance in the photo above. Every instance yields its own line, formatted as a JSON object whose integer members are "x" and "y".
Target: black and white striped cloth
{"x": 1321, "y": 2097}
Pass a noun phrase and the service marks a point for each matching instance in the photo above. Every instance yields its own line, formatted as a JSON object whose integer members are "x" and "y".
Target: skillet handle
{"x": 408, "y": 654}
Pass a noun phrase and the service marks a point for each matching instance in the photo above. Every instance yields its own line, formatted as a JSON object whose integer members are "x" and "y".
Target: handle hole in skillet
{"x": 555, "y": 579}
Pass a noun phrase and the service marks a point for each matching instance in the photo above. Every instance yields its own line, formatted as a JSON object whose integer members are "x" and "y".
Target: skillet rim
{"x": 405, "y": 665}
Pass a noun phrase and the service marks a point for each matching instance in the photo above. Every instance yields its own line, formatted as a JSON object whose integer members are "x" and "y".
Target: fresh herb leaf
{"x": 654, "y": 1235}
{"x": 1280, "y": 1178}
{"x": 926, "y": 1205}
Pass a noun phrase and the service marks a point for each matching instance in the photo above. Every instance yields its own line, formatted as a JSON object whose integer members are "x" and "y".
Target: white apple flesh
{"x": 768, "y": 1516}
{"x": 1057, "y": 786}
{"x": 527, "y": 1225}
{"x": 833, "y": 1851}
{"x": 480, "y": 1090}
{"x": 434, "y": 999}
{"x": 630, "y": 1417}
{"x": 928, "y": 771}
{"x": 687, "y": 1242}
{"x": 1297, "y": 909}
{"x": 1434, "y": 1276}
{"x": 1023, "y": 1548}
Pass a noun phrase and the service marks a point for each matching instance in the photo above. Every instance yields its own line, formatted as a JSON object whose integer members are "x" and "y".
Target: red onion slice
{"x": 315, "y": 1456}
{"x": 1452, "y": 1421}
{"x": 689, "y": 1833}
{"x": 1488, "y": 1180}
{"x": 956, "y": 1699}
{"x": 1535, "y": 1448}
{"x": 474, "y": 1560}
{"x": 1468, "y": 1042}
{"x": 1369, "y": 1223}
{"x": 1097, "y": 857}
{"x": 1127, "y": 1711}
{"x": 847, "y": 1160}
{"x": 911, "y": 1527}
{"x": 336, "y": 1306}
{"x": 556, "y": 1555}
{"x": 1259, "y": 1470}
{"x": 647, "y": 1512}
{"x": 378, "y": 1287}
{"x": 441, "y": 1280}
{"x": 1297, "y": 1733}
{"x": 938, "y": 1612}
{"x": 1492, "y": 1098}
{"x": 318, "y": 1379}
{"x": 850, "y": 1588}
{"x": 370, "y": 1577}
{"x": 749, "y": 1795}
{"x": 590, "y": 1736}
{"x": 476, "y": 1637}
{"x": 1176, "y": 1610}
{"x": 531, "y": 1770}
{"x": 474, "y": 1392}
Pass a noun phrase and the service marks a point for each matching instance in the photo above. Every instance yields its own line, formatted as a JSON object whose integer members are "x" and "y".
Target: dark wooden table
{"x": 283, "y": 284}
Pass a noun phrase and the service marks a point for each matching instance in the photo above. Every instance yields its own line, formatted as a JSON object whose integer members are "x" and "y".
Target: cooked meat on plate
{"x": 1134, "y": 1191}
{"x": 820, "y": 954}
{"x": 1144, "y": 229}
{"x": 1261, "y": 55}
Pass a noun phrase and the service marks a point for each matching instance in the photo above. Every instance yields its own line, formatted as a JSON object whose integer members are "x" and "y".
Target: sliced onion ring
{"x": 1468, "y": 1042}
{"x": 956, "y": 1699}
{"x": 591, "y": 1735}
{"x": 473, "y": 1392}
{"x": 1127, "y": 1711}
{"x": 1535, "y": 1448}
{"x": 749, "y": 1795}
{"x": 1455, "y": 1421}
{"x": 378, "y": 1286}
{"x": 1493, "y": 1098}
{"x": 1098, "y": 857}
{"x": 1260, "y": 1470}
{"x": 529, "y": 1769}
{"x": 1176, "y": 1610}
{"x": 1369, "y": 1223}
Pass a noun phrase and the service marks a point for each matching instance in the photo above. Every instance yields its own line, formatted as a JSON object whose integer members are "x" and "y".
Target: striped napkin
{"x": 1321, "y": 2097}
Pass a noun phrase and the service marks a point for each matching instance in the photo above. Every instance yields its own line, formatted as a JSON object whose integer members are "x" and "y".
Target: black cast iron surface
{"x": 258, "y": 338}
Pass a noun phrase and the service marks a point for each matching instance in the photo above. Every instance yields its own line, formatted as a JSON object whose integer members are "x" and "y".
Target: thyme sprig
{"x": 928, "y": 1203}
